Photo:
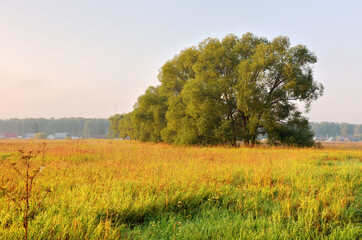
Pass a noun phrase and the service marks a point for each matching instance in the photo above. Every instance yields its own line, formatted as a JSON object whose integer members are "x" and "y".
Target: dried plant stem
{"x": 27, "y": 172}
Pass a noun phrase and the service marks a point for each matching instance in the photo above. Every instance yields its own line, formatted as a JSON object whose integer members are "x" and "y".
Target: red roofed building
{"x": 11, "y": 135}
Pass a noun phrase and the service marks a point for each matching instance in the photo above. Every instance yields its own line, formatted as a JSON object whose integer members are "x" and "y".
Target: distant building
{"x": 61, "y": 135}
{"x": 11, "y": 135}
{"x": 74, "y": 137}
{"x": 51, "y": 137}
{"x": 29, "y": 135}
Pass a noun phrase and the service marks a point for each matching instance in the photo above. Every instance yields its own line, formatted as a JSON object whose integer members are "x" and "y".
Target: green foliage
{"x": 225, "y": 91}
{"x": 149, "y": 115}
{"x": 126, "y": 127}
{"x": 87, "y": 128}
{"x": 40, "y": 135}
{"x": 296, "y": 132}
{"x": 93, "y": 127}
{"x": 346, "y": 129}
{"x": 114, "y": 128}
{"x": 35, "y": 128}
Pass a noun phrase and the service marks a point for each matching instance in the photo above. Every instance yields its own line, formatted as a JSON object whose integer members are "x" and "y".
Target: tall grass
{"x": 106, "y": 189}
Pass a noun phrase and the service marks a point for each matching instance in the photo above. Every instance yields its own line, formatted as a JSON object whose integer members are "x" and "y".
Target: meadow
{"x": 111, "y": 189}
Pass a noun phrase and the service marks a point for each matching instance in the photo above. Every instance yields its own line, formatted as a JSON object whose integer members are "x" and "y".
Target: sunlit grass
{"x": 108, "y": 189}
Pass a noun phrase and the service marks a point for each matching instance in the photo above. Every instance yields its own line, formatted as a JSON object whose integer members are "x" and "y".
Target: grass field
{"x": 109, "y": 189}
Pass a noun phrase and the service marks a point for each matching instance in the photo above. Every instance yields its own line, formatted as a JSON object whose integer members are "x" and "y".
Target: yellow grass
{"x": 124, "y": 189}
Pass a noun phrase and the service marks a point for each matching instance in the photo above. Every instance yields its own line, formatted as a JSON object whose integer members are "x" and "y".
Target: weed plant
{"x": 19, "y": 186}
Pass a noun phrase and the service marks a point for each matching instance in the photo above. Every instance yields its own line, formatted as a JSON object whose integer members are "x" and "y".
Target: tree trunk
{"x": 252, "y": 141}
{"x": 246, "y": 138}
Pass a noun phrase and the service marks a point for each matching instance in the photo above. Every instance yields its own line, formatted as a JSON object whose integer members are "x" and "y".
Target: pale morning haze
{"x": 94, "y": 58}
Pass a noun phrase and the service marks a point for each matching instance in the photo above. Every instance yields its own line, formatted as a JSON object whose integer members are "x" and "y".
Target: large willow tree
{"x": 221, "y": 92}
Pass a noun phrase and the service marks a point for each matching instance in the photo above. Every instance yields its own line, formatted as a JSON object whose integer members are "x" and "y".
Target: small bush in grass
{"x": 40, "y": 135}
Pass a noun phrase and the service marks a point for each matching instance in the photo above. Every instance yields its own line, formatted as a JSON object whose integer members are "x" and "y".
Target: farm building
{"x": 61, "y": 135}
{"x": 11, "y": 135}
{"x": 29, "y": 135}
{"x": 51, "y": 136}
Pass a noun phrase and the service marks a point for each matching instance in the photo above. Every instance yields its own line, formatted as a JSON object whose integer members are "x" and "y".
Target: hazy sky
{"x": 80, "y": 58}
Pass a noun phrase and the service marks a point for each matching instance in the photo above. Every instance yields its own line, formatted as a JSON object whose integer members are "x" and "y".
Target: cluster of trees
{"x": 326, "y": 130}
{"x": 221, "y": 92}
{"x": 74, "y": 126}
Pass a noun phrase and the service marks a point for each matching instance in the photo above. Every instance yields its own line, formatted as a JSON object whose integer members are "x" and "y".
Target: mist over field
{"x": 92, "y": 60}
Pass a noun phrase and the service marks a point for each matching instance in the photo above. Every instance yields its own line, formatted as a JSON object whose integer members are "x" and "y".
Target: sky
{"x": 84, "y": 58}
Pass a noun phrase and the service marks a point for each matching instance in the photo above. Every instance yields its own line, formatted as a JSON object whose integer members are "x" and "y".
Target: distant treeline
{"x": 326, "y": 130}
{"x": 98, "y": 126}
{"x": 73, "y": 126}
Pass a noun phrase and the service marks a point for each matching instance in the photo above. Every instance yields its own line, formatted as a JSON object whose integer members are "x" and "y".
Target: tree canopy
{"x": 229, "y": 90}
